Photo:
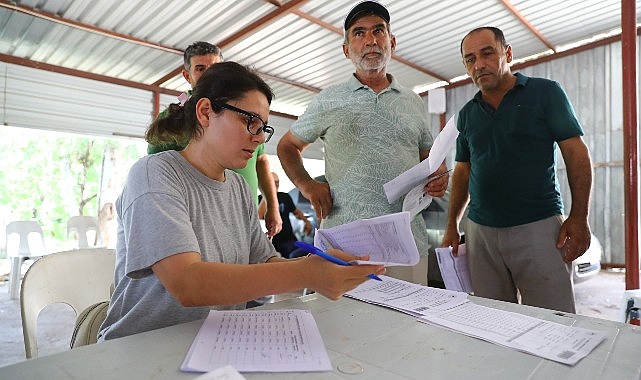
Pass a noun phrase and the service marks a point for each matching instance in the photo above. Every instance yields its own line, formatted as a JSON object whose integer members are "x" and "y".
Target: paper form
{"x": 417, "y": 200}
{"x": 258, "y": 341}
{"x": 417, "y": 175}
{"x": 454, "y": 269}
{"x": 554, "y": 341}
{"x": 387, "y": 239}
{"x": 407, "y": 297}
{"x": 452, "y": 310}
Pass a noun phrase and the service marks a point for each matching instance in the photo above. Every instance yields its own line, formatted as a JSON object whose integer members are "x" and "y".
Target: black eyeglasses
{"x": 255, "y": 124}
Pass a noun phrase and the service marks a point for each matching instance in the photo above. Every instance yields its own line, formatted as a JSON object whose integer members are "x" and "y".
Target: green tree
{"x": 49, "y": 177}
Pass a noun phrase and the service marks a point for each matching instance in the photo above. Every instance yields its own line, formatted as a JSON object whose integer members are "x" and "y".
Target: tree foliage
{"x": 49, "y": 176}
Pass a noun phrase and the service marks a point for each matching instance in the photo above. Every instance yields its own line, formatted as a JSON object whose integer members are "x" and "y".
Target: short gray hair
{"x": 199, "y": 48}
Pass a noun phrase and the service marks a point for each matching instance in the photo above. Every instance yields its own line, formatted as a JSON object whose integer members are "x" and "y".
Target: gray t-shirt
{"x": 368, "y": 139}
{"x": 169, "y": 207}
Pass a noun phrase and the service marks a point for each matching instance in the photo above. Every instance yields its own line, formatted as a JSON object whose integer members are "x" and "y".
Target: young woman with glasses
{"x": 189, "y": 238}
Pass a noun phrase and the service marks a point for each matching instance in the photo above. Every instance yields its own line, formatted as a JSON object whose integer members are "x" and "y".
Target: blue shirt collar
{"x": 521, "y": 81}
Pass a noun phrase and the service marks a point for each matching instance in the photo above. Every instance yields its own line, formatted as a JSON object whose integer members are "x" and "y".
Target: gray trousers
{"x": 521, "y": 260}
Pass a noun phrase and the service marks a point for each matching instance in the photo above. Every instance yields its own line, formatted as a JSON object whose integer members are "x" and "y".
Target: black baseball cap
{"x": 366, "y": 8}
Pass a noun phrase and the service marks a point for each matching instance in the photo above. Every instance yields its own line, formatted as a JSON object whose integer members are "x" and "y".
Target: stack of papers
{"x": 387, "y": 239}
{"x": 454, "y": 269}
{"x": 452, "y": 310}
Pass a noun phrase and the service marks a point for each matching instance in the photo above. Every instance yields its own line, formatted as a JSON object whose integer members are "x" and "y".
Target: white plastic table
{"x": 364, "y": 342}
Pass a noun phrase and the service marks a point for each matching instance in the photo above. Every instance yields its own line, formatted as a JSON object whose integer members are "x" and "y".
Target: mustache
{"x": 481, "y": 72}
{"x": 372, "y": 50}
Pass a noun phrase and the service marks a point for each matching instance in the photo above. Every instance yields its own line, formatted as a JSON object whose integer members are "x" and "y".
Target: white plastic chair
{"x": 86, "y": 228}
{"x": 24, "y": 239}
{"x": 78, "y": 278}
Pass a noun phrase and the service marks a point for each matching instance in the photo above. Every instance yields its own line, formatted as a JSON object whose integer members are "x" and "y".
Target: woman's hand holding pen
{"x": 332, "y": 280}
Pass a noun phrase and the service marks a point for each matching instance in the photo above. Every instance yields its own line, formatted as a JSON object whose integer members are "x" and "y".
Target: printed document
{"x": 258, "y": 341}
{"x": 417, "y": 175}
{"x": 452, "y": 310}
{"x": 550, "y": 340}
{"x": 410, "y": 298}
{"x": 387, "y": 239}
{"x": 454, "y": 269}
{"x": 417, "y": 200}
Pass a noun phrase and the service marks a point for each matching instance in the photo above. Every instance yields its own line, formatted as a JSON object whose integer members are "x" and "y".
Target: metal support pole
{"x": 630, "y": 142}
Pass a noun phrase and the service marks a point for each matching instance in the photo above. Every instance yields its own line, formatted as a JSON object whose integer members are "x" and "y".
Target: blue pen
{"x": 311, "y": 249}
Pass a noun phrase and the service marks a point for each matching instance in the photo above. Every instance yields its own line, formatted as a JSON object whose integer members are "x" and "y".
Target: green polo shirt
{"x": 512, "y": 152}
{"x": 369, "y": 138}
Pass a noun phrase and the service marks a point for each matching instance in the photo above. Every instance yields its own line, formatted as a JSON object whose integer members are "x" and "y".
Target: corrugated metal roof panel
{"x": 563, "y": 22}
{"x": 296, "y": 99}
{"x": 67, "y": 103}
{"x": 298, "y": 49}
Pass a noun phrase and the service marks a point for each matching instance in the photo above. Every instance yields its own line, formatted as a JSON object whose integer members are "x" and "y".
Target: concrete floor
{"x": 600, "y": 297}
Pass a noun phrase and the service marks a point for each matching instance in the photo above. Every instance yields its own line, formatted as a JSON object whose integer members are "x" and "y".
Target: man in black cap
{"x": 366, "y": 8}
{"x": 373, "y": 129}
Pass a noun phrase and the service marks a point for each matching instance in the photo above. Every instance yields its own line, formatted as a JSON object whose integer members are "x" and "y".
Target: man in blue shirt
{"x": 518, "y": 241}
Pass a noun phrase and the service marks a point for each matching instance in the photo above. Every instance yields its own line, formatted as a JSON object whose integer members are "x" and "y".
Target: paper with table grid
{"x": 387, "y": 239}
{"x": 258, "y": 341}
{"x": 554, "y": 341}
{"x": 441, "y": 307}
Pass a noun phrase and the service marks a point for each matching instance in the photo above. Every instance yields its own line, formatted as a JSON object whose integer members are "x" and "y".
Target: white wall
{"x": 41, "y": 99}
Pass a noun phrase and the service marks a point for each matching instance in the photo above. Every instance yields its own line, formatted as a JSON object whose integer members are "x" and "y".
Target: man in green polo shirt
{"x": 372, "y": 128}
{"x": 518, "y": 241}
{"x": 197, "y": 58}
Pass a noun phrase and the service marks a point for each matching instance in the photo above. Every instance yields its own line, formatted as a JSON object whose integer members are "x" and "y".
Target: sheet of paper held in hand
{"x": 452, "y": 310}
{"x": 454, "y": 269}
{"x": 416, "y": 176}
{"x": 258, "y": 341}
{"x": 387, "y": 239}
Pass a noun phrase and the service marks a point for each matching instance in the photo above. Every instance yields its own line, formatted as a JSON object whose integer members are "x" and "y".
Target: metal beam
{"x": 126, "y": 38}
{"x": 527, "y": 24}
{"x": 630, "y": 142}
{"x": 242, "y": 33}
{"x": 84, "y": 74}
{"x": 89, "y": 28}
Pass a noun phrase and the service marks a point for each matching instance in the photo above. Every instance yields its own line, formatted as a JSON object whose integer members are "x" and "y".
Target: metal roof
{"x": 295, "y": 44}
